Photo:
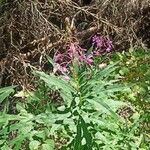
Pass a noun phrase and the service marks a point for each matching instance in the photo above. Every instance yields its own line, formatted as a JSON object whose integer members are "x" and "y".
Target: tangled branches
{"x": 30, "y": 30}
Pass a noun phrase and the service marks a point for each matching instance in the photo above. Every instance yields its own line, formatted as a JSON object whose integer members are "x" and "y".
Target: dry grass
{"x": 31, "y": 29}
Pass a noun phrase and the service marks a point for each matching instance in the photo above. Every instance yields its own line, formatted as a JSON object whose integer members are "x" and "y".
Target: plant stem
{"x": 77, "y": 87}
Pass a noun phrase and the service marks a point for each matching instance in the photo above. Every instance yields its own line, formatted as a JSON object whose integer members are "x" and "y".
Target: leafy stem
{"x": 77, "y": 83}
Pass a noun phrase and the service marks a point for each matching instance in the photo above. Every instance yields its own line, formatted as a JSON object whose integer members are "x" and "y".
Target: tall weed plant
{"x": 86, "y": 118}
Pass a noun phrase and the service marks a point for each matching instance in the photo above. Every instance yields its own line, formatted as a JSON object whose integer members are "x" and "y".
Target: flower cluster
{"x": 75, "y": 53}
{"x": 102, "y": 44}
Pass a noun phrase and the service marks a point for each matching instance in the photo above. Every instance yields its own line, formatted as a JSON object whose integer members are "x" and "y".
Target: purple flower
{"x": 74, "y": 52}
{"x": 66, "y": 77}
{"x": 59, "y": 67}
{"x": 96, "y": 52}
{"x": 109, "y": 45}
{"x": 58, "y": 57}
{"x": 87, "y": 59}
{"x": 102, "y": 44}
{"x": 97, "y": 40}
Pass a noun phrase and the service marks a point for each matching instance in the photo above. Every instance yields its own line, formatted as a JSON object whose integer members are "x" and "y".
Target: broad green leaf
{"x": 7, "y": 117}
{"x": 47, "y": 147}
{"x": 116, "y": 88}
{"x": 101, "y": 137}
{"x": 34, "y": 145}
{"x": 55, "y": 127}
{"x": 4, "y": 95}
{"x": 17, "y": 141}
{"x": 21, "y": 109}
{"x": 49, "y": 118}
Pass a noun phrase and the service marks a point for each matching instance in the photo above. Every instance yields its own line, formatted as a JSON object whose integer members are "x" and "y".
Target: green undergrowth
{"x": 105, "y": 106}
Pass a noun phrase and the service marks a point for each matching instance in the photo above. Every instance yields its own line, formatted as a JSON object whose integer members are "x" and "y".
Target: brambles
{"x": 30, "y": 30}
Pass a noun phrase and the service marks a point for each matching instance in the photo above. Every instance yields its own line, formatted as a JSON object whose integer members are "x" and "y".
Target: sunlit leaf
{"x": 34, "y": 145}
{"x": 5, "y": 92}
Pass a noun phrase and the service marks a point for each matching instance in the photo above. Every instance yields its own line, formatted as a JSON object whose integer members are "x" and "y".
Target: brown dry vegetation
{"x": 32, "y": 29}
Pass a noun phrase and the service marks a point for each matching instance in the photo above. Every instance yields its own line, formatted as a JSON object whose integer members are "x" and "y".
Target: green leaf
{"x": 4, "y": 95}
{"x": 5, "y": 92}
{"x": 9, "y": 88}
{"x": 99, "y": 103}
{"x": 2, "y": 141}
{"x": 78, "y": 138}
{"x": 113, "y": 88}
{"x": 40, "y": 134}
{"x": 47, "y": 147}
{"x": 16, "y": 142}
{"x": 86, "y": 134}
{"x": 5, "y": 147}
{"x": 7, "y": 117}
{"x": 21, "y": 109}
{"x": 50, "y": 143}
{"x": 50, "y": 60}
{"x": 90, "y": 50}
{"x": 105, "y": 72}
{"x": 34, "y": 145}
{"x": 54, "y": 82}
